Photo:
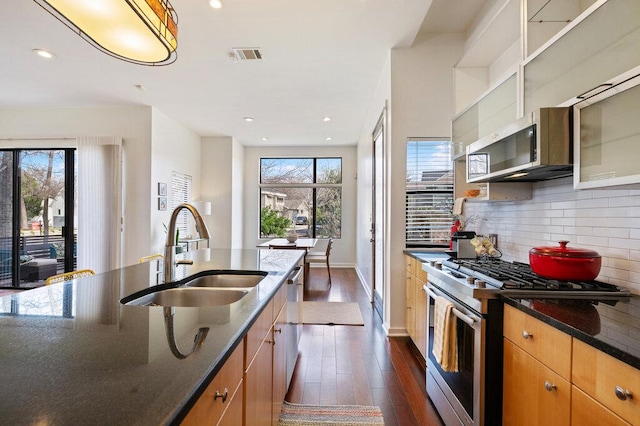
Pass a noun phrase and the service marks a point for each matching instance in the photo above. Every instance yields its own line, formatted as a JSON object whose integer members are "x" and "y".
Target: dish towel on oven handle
{"x": 445, "y": 341}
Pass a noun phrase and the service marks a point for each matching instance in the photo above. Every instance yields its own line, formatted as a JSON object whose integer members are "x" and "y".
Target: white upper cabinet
{"x": 607, "y": 137}
{"x": 492, "y": 50}
{"x": 602, "y": 43}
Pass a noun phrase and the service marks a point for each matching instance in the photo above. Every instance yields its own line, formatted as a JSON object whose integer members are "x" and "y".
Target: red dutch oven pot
{"x": 564, "y": 263}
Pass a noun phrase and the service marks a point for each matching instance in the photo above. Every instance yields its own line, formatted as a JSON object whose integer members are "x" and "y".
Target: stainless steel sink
{"x": 187, "y": 297}
{"x": 225, "y": 279}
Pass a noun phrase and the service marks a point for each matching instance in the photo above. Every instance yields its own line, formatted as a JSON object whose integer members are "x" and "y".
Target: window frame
{"x": 314, "y": 186}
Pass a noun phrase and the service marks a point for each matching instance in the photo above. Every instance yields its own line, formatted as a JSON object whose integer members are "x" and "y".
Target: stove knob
{"x": 480, "y": 284}
{"x": 432, "y": 262}
{"x": 438, "y": 265}
{"x": 470, "y": 280}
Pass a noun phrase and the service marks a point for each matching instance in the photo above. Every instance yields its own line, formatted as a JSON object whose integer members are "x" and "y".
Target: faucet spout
{"x": 171, "y": 243}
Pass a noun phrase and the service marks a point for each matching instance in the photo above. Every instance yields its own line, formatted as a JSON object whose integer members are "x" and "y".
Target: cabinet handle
{"x": 549, "y": 386}
{"x": 603, "y": 86}
{"x": 526, "y": 335}
{"x": 223, "y": 395}
{"x": 623, "y": 393}
{"x": 277, "y": 330}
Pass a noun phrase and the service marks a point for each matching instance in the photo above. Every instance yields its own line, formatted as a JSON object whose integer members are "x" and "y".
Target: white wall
{"x": 422, "y": 97}
{"x": 604, "y": 220}
{"x": 381, "y": 97}
{"x": 344, "y": 249}
{"x": 421, "y": 105}
{"x": 237, "y": 208}
{"x": 221, "y": 165}
{"x": 133, "y": 124}
{"x": 174, "y": 148}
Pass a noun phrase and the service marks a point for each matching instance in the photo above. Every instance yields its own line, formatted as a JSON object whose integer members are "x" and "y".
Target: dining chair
{"x": 320, "y": 257}
{"x": 67, "y": 276}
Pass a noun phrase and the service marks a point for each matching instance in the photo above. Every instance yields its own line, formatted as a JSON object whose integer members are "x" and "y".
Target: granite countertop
{"x": 72, "y": 354}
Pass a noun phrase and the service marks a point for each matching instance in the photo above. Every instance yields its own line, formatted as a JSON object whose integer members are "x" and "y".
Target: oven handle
{"x": 464, "y": 317}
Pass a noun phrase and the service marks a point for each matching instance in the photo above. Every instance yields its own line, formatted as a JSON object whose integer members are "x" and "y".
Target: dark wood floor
{"x": 355, "y": 365}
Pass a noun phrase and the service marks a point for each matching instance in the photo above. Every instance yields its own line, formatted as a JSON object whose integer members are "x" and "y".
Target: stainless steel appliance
{"x": 473, "y": 395}
{"x": 293, "y": 329}
{"x": 535, "y": 147}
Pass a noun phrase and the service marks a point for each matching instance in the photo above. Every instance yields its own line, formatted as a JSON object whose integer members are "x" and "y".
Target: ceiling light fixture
{"x": 44, "y": 53}
{"x": 248, "y": 119}
{"x": 216, "y": 4}
{"x": 143, "y": 32}
{"x": 326, "y": 119}
{"x": 328, "y": 139}
{"x": 265, "y": 139}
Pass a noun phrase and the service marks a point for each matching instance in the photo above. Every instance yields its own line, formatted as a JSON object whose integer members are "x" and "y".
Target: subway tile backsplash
{"x": 604, "y": 220}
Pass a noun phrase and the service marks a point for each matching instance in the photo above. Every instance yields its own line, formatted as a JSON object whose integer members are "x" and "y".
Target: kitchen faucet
{"x": 171, "y": 244}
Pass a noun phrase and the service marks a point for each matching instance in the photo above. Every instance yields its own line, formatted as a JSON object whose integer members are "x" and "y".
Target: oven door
{"x": 458, "y": 396}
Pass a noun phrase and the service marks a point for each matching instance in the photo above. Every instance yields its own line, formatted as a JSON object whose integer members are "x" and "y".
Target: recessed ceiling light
{"x": 248, "y": 119}
{"x": 44, "y": 53}
{"x": 328, "y": 139}
{"x": 326, "y": 119}
{"x": 216, "y": 4}
{"x": 265, "y": 139}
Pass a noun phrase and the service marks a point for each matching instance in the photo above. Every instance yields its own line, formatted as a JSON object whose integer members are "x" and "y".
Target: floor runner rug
{"x": 342, "y": 415}
{"x": 333, "y": 313}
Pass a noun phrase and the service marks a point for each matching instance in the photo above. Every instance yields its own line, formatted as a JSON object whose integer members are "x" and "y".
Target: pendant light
{"x": 144, "y": 32}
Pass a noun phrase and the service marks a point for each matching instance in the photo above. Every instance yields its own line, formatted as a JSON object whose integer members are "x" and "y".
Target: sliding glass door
{"x": 37, "y": 209}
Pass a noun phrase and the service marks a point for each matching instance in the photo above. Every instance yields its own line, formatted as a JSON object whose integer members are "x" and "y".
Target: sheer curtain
{"x": 99, "y": 203}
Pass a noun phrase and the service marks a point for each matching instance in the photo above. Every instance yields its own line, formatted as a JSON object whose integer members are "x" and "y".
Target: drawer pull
{"x": 223, "y": 395}
{"x": 549, "y": 386}
{"x": 623, "y": 394}
{"x": 526, "y": 334}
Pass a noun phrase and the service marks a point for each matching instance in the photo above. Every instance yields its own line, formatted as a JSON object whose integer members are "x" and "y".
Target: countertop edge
{"x": 574, "y": 332}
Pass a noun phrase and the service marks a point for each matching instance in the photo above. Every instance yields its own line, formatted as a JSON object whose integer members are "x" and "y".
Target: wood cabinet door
{"x": 259, "y": 387}
{"x": 410, "y": 313}
{"x": 420, "y": 305}
{"x": 279, "y": 364}
{"x": 216, "y": 398}
{"x": 533, "y": 394}
{"x": 586, "y": 411}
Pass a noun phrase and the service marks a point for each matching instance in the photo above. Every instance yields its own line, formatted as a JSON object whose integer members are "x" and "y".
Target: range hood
{"x": 539, "y": 146}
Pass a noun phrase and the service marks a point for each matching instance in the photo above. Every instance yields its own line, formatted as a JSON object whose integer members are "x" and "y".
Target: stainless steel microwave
{"x": 536, "y": 147}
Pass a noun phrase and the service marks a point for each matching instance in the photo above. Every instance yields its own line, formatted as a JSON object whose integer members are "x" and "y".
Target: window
{"x": 429, "y": 192}
{"x": 181, "y": 193}
{"x": 301, "y": 194}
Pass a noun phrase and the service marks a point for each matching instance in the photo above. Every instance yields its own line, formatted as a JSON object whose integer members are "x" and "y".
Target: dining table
{"x": 305, "y": 244}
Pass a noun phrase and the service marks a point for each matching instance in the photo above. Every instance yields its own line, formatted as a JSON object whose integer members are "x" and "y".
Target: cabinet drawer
{"x": 258, "y": 332}
{"x": 209, "y": 409}
{"x": 408, "y": 264}
{"x": 601, "y": 376}
{"x": 586, "y": 411}
{"x": 420, "y": 273}
{"x": 545, "y": 343}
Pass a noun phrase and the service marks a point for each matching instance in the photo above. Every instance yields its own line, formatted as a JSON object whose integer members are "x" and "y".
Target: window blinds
{"x": 181, "y": 193}
{"x": 429, "y": 192}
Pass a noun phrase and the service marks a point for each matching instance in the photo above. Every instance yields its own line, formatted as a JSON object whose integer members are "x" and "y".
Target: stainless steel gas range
{"x": 472, "y": 395}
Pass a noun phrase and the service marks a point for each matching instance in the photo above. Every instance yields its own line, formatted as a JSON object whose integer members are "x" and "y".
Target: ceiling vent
{"x": 247, "y": 54}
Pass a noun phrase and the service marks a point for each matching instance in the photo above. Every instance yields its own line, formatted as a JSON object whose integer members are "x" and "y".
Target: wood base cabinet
{"x": 416, "y": 304}
{"x": 551, "y": 378}
{"x": 533, "y": 393}
{"x": 222, "y": 401}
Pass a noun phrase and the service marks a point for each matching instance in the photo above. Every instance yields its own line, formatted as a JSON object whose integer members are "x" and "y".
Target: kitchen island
{"x": 73, "y": 354}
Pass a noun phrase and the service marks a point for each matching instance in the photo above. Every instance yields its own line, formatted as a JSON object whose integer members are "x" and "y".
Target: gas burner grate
{"x": 519, "y": 276}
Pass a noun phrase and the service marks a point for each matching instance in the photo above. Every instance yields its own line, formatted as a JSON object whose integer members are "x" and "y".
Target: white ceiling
{"x": 320, "y": 59}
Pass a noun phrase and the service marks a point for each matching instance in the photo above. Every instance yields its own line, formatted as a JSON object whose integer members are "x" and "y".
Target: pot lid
{"x": 563, "y": 251}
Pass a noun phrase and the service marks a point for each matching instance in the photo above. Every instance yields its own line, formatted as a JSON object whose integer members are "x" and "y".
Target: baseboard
{"x": 333, "y": 265}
